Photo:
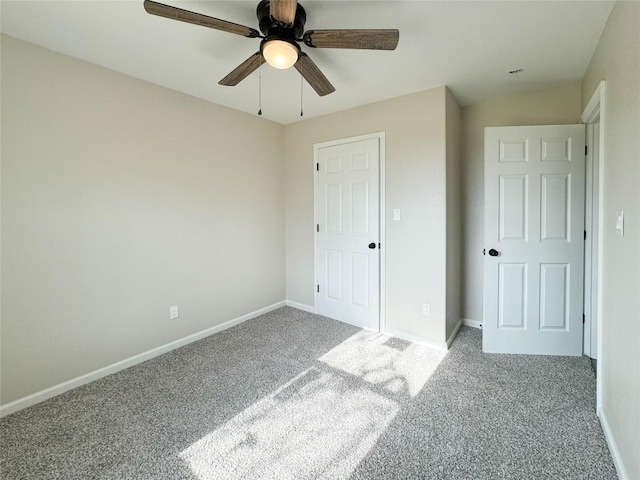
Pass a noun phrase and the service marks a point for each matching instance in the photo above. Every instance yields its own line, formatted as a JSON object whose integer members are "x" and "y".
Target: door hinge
{"x": 585, "y": 234}
{"x": 317, "y": 167}
{"x": 318, "y": 227}
{"x": 318, "y": 288}
{"x": 586, "y": 149}
{"x": 583, "y": 318}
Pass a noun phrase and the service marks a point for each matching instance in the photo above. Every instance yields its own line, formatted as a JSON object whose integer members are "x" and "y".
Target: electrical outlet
{"x": 426, "y": 309}
{"x": 173, "y": 312}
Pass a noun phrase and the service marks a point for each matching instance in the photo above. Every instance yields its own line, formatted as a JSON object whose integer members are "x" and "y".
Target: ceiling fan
{"x": 282, "y": 25}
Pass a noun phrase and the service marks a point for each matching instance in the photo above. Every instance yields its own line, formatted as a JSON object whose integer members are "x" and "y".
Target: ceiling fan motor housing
{"x": 272, "y": 28}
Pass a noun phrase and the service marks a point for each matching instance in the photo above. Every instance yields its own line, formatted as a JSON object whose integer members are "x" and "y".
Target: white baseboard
{"x": 300, "y": 306}
{"x": 456, "y": 329}
{"x": 416, "y": 339}
{"x": 50, "y": 392}
{"x": 471, "y": 323}
{"x": 623, "y": 473}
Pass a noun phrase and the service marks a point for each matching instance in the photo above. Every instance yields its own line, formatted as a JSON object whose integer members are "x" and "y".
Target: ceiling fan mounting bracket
{"x": 271, "y": 27}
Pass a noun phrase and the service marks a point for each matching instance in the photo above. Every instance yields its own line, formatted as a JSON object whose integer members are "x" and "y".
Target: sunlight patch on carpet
{"x": 397, "y": 365}
{"x": 317, "y": 425}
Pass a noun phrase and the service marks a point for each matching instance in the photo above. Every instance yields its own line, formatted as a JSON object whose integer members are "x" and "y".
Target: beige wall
{"x": 415, "y": 183}
{"x": 552, "y": 106}
{"x": 454, "y": 213}
{"x": 119, "y": 199}
{"x": 617, "y": 60}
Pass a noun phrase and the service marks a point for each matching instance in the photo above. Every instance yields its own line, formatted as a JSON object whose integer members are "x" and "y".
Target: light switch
{"x": 620, "y": 222}
{"x": 396, "y": 215}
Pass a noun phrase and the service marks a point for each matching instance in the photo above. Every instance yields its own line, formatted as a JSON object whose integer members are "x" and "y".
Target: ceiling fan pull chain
{"x": 260, "y": 87}
{"x": 301, "y": 104}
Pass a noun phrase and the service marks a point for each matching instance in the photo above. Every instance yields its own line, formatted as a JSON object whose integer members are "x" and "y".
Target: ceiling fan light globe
{"x": 280, "y": 54}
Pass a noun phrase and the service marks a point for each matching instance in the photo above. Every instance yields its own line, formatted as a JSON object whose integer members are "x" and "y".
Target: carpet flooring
{"x": 291, "y": 395}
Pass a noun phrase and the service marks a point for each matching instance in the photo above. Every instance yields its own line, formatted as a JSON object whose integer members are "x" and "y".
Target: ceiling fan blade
{"x": 174, "y": 13}
{"x": 312, "y": 74}
{"x": 242, "y": 71}
{"x": 284, "y": 10}
{"x": 361, "y": 39}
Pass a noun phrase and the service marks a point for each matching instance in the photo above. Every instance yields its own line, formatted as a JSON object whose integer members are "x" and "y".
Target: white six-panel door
{"x": 534, "y": 223}
{"x": 347, "y": 250}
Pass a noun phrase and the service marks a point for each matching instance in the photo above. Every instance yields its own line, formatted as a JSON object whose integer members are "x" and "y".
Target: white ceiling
{"x": 469, "y": 46}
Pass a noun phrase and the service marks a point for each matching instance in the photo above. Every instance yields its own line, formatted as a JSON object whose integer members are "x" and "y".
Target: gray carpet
{"x": 294, "y": 395}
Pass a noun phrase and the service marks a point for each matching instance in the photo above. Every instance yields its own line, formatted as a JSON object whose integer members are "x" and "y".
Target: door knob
{"x": 372, "y": 245}
{"x": 494, "y": 253}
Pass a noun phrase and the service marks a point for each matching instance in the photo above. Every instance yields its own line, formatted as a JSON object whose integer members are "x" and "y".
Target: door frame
{"x": 591, "y": 226}
{"x": 594, "y": 111}
{"x": 381, "y": 211}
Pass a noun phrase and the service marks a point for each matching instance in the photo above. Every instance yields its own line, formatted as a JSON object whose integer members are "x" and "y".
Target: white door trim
{"x": 383, "y": 246}
{"x": 591, "y": 243}
{"x": 588, "y": 318}
{"x": 593, "y": 111}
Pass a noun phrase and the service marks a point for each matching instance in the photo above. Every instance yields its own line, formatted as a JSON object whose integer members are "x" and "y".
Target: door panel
{"x": 513, "y": 207}
{"x": 334, "y": 208}
{"x": 556, "y": 150}
{"x": 534, "y": 218}
{"x": 348, "y": 271}
{"x": 359, "y": 208}
{"x": 513, "y": 150}
{"x": 334, "y": 275}
{"x": 554, "y": 296}
{"x": 513, "y": 292}
{"x": 555, "y": 207}
{"x": 360, "y": 279}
